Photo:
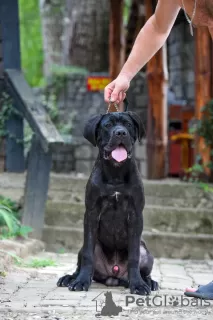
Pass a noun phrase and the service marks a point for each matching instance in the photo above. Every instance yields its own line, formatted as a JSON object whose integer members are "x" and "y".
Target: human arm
{"x": 149, "y": 40}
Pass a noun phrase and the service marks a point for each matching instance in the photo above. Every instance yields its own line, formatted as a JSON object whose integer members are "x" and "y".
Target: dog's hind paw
{"x": 66, "y": 281}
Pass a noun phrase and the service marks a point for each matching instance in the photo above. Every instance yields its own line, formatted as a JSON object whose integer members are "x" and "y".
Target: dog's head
{"x": 115, "y": 134}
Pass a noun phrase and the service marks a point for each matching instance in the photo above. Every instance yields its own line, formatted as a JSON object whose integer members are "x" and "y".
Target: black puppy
{"x": 113, "y": 252}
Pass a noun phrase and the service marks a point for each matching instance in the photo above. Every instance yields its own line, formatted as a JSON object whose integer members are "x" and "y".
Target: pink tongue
{"x": 119, "y": 154}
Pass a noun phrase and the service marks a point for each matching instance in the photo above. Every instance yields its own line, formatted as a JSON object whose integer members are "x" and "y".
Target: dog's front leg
{"x": 84, "y": 279}
{"x": 136, "y": 283}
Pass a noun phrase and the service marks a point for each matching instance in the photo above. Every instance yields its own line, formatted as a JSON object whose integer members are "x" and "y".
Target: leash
{"x": 126, "y": 103}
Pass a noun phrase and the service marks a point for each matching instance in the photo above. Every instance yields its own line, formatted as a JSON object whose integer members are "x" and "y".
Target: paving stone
{"x": 24, "y": 291}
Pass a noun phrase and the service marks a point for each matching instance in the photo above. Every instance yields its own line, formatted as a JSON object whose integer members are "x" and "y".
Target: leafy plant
{"x": 7, "y": 219}
{"x": 205, "y": 125}
{"x": 204, "y": 129}
{"x": 10, "y": 226}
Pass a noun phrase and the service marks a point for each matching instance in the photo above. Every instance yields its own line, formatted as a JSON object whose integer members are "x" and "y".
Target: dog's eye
{"x": 129, "y": 125}
{"x": 108, "y": 125}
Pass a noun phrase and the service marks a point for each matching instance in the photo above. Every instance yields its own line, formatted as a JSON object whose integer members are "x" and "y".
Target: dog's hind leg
{"x": 67, "y": 279}
{"x": 146, "y": 265}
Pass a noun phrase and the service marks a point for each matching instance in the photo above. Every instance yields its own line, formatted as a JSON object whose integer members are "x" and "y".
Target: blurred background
{"x": 56, "y": 57}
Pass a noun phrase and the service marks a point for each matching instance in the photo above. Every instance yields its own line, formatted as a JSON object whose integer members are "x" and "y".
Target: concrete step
{"x": 168, "y": 192}
{"x": 166, "y": 219}
{"x": 160, "y": 244}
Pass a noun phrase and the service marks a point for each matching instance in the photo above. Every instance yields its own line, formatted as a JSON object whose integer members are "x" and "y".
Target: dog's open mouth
{"x": 119, "y": 154}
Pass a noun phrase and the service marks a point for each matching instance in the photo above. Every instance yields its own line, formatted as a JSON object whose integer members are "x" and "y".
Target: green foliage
{"x": 205, "y": 125}
{"x": 52, "y": 92}
{"x": 126, "y": 10}
{"x": 31, "y": 41}
{"x": 6, "y": 111}
{"x": 206, "y": 187}
{"x": 10, "y": 205}
{"x": 203, "y": 128}
{"x": 7, "y": 219}
{"x": 63, "y": 71}
{"x": 36, "y": 263}
{"x": 10, "y": 225}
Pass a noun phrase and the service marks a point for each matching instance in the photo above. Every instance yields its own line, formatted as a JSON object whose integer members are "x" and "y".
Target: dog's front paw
{"x": 151, "y": 283}
{"x": 81, "y": 283}
{"x": 154, "y": 285}
{"x": 138, "y": 286}
{"x": 66, "y": 280}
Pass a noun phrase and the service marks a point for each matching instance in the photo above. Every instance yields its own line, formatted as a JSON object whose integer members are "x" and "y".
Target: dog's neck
{"x": 116, "y": 174}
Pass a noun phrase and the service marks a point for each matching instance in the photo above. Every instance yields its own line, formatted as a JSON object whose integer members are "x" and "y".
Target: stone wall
{"x": 76, "y": 105}
{"x": 79, "y": 156}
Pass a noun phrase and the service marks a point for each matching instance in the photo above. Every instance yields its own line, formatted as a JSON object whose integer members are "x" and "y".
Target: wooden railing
{"x": 45, "y": 139}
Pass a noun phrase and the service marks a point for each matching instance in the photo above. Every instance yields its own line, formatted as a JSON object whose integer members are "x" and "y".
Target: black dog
{"x": 113, "y": 252}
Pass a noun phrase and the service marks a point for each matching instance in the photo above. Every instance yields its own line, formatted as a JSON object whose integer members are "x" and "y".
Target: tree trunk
{"x": 52, "y": 28}
{"x": 85, "y": 35}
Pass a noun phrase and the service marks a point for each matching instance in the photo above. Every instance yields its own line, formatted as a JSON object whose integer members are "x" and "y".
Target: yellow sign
{"x": 97, "y": 83}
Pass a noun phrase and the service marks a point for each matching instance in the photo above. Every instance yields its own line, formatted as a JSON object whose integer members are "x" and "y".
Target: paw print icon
{"x": 173, "y": 301}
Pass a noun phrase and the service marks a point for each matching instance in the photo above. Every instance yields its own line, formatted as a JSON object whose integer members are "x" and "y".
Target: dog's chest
{"x": 114, "y": 203}
{"x": 114, "y": 214}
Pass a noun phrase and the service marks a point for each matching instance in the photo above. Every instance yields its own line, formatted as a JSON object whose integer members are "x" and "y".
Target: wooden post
{"x": 115, "y": 36}
{"x": 11, "y": 59}
{"x": 36, "y": 188}
{"x": 116, "y": 41}
{"x": 46, "y": 139}
{"x": 157, "y": 135}
{"x": 203, "y": 87}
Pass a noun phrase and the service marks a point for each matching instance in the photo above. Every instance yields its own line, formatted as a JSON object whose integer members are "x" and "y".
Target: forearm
{"x": 147, "y": 43}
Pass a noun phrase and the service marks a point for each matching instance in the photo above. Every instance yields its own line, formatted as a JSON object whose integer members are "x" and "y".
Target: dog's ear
{"x": 139, "y": 124}
{"x": 90, "y": 129}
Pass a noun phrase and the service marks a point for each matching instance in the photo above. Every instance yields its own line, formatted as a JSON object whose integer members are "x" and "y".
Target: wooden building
{"x": 161, "y": 151}
{"x": 166, "y": 70}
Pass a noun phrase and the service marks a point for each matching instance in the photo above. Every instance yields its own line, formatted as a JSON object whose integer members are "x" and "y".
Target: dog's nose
{"x": 120, "y": 133}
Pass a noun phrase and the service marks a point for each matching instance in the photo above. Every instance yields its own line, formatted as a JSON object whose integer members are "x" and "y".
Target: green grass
{"x": 36, "y": 263}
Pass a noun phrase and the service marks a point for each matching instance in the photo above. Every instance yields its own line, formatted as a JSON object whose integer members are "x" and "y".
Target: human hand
{"x": 115, "y": 91}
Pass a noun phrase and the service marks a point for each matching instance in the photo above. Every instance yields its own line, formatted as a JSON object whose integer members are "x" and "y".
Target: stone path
{"x": 32, "y": 293}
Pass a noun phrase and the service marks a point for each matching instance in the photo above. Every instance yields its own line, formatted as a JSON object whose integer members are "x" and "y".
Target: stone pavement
{"x": 32, "y": 293}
